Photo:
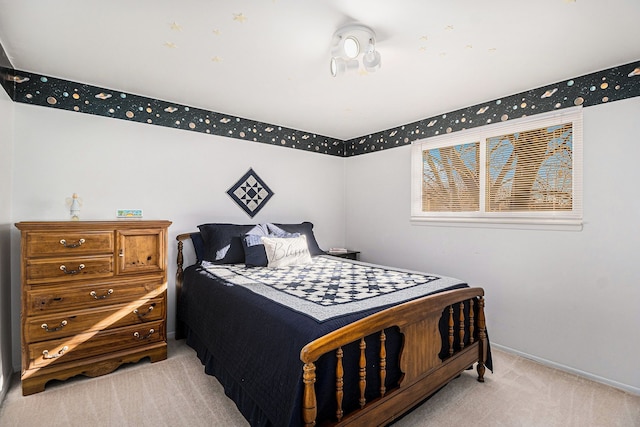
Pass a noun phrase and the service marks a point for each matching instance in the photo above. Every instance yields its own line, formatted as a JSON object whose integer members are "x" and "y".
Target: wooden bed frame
{"x": 423, "y": 372}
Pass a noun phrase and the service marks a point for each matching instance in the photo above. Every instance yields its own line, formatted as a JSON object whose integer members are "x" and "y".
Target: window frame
{"x": 569, "y": 220}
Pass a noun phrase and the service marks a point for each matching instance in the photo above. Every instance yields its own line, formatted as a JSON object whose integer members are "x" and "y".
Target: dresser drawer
{"x": 69, "y": 268}
{"x": 41, "y": 244}
{"x": 140, "y": 311}
{"x": 92, "y": 344}
{"x": 51, "y": 299}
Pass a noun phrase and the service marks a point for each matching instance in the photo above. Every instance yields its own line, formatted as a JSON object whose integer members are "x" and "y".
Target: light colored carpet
{"x": 176, "y": 392}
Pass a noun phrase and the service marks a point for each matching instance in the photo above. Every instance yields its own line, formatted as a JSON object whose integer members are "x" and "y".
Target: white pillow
{"x": 284, "y": 252}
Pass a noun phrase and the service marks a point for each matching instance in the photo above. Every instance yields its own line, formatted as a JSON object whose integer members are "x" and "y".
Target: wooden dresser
{"x": 93, "y": 297}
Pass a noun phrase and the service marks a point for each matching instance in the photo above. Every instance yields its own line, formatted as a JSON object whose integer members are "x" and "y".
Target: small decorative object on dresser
{"x": 74, "y": 203}
{"x": 93, "y": 297}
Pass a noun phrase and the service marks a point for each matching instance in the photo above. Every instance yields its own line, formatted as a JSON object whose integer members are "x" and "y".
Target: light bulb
{"x": 351, "y": 47}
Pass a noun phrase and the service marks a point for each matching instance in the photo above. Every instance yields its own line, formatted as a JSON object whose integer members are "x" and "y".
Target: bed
{"x": 301, "y": 338}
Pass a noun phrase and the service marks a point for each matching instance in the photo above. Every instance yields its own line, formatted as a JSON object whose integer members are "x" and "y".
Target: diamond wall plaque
{"x": 250, "y": 193}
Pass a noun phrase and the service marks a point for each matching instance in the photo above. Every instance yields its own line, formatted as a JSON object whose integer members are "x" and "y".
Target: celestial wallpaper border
{"x": 37, "y": 89}
{"x": 596, "y": 88}
{"x": 609, "y": 85}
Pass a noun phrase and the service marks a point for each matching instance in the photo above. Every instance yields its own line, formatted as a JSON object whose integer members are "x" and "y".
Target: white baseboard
{"x": 6, "y": 385}
{"x": 624, "y": 387}
{"x": 3, "y": 391}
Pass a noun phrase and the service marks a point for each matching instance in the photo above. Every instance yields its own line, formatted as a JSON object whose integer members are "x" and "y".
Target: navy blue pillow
{"x": 254, "y": 254}
{"x": 223, "y": 242}
{"x": 198, "y": 245}
{"x": 305, "y": 228}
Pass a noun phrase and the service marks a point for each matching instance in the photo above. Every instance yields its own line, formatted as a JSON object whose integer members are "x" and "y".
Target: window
{"x": 525, "y": 172}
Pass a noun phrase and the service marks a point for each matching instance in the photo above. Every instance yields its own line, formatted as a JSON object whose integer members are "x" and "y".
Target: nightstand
{"x": 355, "y": 255}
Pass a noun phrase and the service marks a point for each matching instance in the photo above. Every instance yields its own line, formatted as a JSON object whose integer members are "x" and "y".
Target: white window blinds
{"x": 524, "y": 171}
{"x": 451, "y": 178}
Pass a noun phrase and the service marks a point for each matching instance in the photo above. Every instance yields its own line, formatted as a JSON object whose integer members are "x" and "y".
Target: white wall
{"x": 170, "y": 174}
{"x": 6, "y": 151}
{"x": 566, "y": 298}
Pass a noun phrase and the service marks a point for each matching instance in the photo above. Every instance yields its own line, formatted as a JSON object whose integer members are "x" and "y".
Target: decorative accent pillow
{"x": 305, "y": 228}
{"x": 223, "y": 242}
{"x": 254, "y": 253}
{"x": 284, "y": 252}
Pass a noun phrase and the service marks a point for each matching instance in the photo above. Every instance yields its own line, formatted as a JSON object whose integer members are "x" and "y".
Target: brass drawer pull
{"x": 65, "y": 271}
{"x": 137, "y": 335}
{"x": 46, "y": 355}
{"x": 71, "y": 245}
{"x": 95, "y": 295}
{"x": 46, "y": 327}
{"x": 142, "y": 316}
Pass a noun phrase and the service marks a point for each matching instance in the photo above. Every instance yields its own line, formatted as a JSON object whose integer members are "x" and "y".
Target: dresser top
{"x": 90, "y": 225}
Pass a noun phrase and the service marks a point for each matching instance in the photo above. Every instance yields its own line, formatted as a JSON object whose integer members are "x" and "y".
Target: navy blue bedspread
{"x": 261, "y": 371}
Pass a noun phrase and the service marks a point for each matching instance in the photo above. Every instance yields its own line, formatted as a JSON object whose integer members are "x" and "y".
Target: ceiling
{"x": 268, "y": 60}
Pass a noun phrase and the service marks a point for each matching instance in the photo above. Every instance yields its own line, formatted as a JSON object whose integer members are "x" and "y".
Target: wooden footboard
{"x": 423, "y": 370}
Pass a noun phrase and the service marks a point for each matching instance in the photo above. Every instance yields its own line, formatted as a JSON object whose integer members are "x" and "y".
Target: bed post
{"x": 180, "y": 261}
{"x": 482, "y": 338}
{"x": 179, "y": 278}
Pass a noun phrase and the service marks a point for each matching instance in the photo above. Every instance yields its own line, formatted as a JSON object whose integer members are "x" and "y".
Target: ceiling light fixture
{"x": 352, "y": 44}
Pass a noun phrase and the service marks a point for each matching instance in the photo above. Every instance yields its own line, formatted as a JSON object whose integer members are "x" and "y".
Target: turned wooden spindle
{"x": 461, "y": 331}
{"x": 471, "y": 328}
{"x": 383, "y": 364}
{"x": 363, "y": 372}
{"x": 309, "y": 410}
{"x": 451, "y": 330}
{"x": 339, "y": 383}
